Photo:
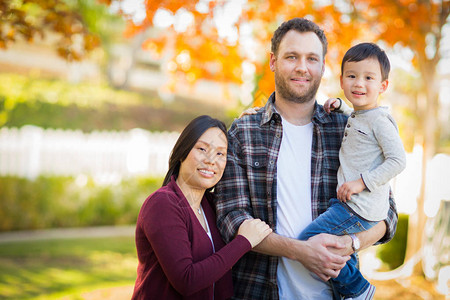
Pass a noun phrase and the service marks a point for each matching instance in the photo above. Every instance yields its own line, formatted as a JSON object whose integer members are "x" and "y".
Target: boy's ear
{"x": 384, "y": 86}
{"x": 340, "y": 79}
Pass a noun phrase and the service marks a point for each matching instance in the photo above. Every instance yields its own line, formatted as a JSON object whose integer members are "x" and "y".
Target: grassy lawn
{"x": 65, "y": 268}
{"x": 105, "y": 268}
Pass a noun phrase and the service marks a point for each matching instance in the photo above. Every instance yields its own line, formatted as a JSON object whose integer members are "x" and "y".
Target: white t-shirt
{"x": 294, "y": 211}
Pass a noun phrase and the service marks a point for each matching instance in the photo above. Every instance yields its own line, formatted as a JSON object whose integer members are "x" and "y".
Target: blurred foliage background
{"x": 53, "y": 103}
{"x": 117, "y": 65}
{"x": 55, "y": 202}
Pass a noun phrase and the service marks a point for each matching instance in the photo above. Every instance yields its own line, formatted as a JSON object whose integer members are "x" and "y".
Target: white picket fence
{"x": 32, "y": 151}
{"x": 111, "y": 156}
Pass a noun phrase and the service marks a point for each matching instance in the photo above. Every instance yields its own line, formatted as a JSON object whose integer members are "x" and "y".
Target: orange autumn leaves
{"x": 411, "y": 23}
{"x": 200, "y": 52}
{"x": 28, "y": 19}
{"x": 213, "y": 57}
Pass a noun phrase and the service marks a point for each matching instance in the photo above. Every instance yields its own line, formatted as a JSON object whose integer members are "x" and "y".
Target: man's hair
{"x": 368, "y": 50}
{"x": 300, "y": 25}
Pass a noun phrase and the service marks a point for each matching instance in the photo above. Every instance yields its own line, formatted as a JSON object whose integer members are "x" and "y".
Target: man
{"x": 282, "y": 165}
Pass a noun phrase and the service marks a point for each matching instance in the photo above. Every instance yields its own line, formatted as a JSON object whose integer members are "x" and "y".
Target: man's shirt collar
{"x": 319, "y": 116}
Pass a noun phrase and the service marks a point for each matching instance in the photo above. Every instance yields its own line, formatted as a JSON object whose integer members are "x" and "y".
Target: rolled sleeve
{"x": 391, "y": 221}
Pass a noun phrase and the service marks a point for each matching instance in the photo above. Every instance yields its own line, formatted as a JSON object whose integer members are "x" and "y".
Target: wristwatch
{"x": 355, "y": 242}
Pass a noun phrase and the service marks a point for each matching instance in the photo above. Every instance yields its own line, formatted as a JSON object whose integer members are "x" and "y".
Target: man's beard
{"x": 291, "y": 95}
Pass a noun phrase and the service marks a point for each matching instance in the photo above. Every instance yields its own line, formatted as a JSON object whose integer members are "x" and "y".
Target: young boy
{"x": 371, "y": 154}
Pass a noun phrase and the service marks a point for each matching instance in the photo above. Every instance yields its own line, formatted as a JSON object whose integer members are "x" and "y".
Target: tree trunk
{"x": 429, "y": 128}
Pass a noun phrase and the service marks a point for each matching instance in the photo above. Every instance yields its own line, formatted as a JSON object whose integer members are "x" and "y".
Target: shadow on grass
{"x": 56, "y": 268}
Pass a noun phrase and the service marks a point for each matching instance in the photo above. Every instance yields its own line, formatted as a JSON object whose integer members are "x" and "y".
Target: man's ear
{"x": 384, "y": 86}
{"x": 272, "y": 60}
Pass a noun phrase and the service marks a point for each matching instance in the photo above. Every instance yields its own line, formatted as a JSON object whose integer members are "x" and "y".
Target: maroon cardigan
{"x": 176, "y": 259}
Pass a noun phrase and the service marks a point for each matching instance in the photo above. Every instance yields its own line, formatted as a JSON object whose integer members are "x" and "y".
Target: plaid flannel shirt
{"x": 249, "y": 185}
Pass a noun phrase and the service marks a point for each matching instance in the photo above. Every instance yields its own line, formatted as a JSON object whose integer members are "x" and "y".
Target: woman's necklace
{"x": 199, "y": 209}
{"x": 201, "y": 218}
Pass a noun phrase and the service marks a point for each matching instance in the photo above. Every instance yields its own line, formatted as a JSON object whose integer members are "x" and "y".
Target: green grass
{"x": 65, "y": 268}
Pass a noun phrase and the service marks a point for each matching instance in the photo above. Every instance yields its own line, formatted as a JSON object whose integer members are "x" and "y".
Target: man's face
{"x": 298, "y": 66}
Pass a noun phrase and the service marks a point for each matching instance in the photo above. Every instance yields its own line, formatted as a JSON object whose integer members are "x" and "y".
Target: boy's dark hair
{"x": 368, "y": 50}
{"x": 300, "y": 25}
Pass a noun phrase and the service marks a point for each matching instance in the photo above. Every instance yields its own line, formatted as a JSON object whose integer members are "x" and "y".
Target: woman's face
{"x": 204, "y": 165}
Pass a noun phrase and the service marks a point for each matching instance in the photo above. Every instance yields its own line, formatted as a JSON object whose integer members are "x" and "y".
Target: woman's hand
{"x": 332, "y": 104}
{"x": 250, "y": 111}
{"x": 254, "y": 230}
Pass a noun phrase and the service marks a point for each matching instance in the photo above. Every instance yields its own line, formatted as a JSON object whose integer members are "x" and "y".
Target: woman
{"x": 180, "y": 251}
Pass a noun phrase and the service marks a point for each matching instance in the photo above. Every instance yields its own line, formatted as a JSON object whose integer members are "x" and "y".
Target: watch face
{"x": 356, "y": 244}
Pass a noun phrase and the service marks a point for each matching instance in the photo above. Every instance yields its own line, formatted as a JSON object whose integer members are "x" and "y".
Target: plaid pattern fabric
{"x": 248, "y": 187}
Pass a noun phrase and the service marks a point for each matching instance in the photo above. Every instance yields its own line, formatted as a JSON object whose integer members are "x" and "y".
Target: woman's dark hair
{"x": 187, "y": 140}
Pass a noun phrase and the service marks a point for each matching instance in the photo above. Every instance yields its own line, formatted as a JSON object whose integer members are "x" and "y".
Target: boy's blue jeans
{"x": 340, "y": 220}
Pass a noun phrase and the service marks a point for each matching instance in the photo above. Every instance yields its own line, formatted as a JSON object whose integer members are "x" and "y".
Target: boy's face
{"x": 362, "y": 83}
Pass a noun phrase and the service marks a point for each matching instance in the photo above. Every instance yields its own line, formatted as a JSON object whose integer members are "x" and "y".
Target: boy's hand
{"x": 250, "y": 111}
{"x": 332, "y": 104}
{"x": 349, "y": 188}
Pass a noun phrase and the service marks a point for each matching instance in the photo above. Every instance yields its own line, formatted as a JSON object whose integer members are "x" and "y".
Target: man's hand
{"x": 317, "y": 257}
{"x": 349, "y": 188}
{"x": 323, "y": 254}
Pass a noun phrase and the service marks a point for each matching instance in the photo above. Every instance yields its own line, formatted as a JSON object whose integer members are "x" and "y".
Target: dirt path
{"x": 67, "y": 233}
{"x": 411, "y": 288}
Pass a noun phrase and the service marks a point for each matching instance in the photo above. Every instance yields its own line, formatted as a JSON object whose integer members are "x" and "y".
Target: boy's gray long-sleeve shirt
{"x": 372, "y": 150}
